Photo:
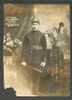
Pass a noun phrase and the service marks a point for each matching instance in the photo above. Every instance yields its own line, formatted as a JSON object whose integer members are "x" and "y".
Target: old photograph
{"x": 36, "y": 49}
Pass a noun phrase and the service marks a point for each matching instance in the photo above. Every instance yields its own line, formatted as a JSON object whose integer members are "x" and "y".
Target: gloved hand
{"x": 24, "y": 63}
{"x": 43, "y": 64}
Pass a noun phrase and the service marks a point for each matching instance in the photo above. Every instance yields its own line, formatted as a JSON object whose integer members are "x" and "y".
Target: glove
{"x": 43, "y": 64}
{"x": 24, "y": 63}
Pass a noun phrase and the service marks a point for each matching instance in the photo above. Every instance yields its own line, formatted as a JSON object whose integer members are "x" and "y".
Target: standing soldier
{"x": 57, "y": 49}
{"x": 34, "y": 53}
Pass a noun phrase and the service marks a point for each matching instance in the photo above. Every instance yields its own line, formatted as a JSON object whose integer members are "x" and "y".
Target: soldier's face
{"x": 35, "y": 26}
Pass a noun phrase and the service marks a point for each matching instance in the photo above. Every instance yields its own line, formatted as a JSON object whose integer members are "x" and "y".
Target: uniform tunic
{"x": 34, "y": 52}
{"x": 34, "y": 48}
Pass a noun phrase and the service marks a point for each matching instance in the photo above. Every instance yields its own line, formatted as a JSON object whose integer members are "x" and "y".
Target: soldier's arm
{"x": 43, "y": 43}
{"x": 25, "y": 45}
{"x": 26, "y": 50}
{"x": 25, "y": 41}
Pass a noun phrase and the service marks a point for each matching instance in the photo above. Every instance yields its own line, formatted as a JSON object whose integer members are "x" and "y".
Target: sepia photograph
{"x": 36, "y": 49}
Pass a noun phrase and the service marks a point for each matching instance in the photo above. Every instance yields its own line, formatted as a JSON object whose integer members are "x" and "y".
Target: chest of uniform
{"x": 35, "y": 48}
{"x": 34, "y": 38}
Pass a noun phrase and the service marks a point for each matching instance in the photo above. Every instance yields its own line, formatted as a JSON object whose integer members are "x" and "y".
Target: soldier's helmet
{"x": 35, "y": 20}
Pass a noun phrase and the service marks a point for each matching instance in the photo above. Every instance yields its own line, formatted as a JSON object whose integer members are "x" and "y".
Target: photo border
{"x": 1, "y": 45}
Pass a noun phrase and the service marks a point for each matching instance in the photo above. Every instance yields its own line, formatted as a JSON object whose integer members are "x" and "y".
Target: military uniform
{"x": 34, "y": 52}
{"x": 34, "y": 48}
{"x": 58, "y": 57}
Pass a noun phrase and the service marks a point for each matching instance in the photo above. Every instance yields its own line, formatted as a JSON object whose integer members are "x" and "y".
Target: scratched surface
{"x": 19, "y": 77}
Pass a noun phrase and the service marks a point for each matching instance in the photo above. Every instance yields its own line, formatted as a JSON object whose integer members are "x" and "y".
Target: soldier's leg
{"x": 48, "y": 63}
{"x": 48, "y": 56}
{"x": 35, "y": 81}
{"x": 61, "y": 64}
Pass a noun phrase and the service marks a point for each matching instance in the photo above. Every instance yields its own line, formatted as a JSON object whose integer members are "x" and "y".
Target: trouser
{"x": 48, "y": 56}
{"x": 57, "y": 61}
{"x": 35, "y": 81}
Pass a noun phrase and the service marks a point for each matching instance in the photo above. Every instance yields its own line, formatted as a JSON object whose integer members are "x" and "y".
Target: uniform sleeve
{"x": 43, "y": 43}
{"x": 25, "y": 41}
{"x": 26, "y": 48}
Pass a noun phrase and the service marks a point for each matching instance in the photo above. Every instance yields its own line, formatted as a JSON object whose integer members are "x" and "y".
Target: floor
{"x": 20, "y": 79}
